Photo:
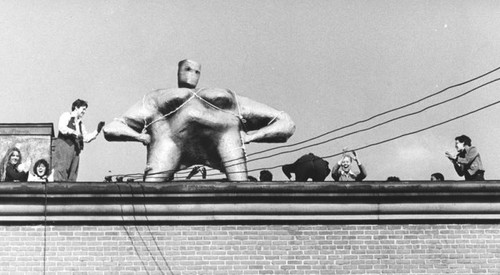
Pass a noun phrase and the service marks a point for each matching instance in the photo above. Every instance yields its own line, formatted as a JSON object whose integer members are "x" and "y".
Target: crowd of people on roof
{"x": 72, "y": 135}
{"x": 466, "y": 162}
{"x": 66, "y": 157}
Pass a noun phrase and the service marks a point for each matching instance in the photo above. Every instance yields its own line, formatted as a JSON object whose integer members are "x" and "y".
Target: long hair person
{"x": 12, "y": 170}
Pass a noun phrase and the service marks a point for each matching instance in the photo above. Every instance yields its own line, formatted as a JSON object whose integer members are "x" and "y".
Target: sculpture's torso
{"x": 204, "y": 127}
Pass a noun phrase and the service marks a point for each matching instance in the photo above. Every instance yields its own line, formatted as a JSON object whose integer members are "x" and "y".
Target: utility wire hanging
{"x": 377, "y": 115}
{"x": 396, "y": 137}
{"x": 377, "y": 125}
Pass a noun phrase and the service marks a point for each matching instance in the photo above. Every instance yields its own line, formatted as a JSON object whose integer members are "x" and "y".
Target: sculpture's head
{"x": 188, "y": 74}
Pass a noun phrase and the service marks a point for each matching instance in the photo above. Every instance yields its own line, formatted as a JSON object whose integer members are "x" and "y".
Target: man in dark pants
{"x": 307, "y": 167}
{"x": 467, "y": 162}
{"x": 69, "y": 143}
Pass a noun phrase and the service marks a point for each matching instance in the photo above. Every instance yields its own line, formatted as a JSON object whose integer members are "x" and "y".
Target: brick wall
{"x": 251, "y": 249}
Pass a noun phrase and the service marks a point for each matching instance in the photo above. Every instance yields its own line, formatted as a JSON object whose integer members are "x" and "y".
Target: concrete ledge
{"x": 248, "y": 201}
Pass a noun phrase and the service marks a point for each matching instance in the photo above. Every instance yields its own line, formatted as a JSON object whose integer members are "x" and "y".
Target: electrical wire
{"x": 45, "y": 229}
{"x": 396, "y": 137}
{"x": 128, "y": 233}
{"x": 371, "y": 127}
{"x": 379, "y": 114}
{"x": 378, "y": 124}
{"x": 139, "y": 231}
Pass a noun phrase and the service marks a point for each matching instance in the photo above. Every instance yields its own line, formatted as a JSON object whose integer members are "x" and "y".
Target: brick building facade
{"x": 249, "y": 228}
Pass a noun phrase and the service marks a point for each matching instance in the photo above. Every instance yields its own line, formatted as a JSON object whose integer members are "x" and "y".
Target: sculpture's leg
{"x": 163, "y": 161}
{"x": 233, "y": 157}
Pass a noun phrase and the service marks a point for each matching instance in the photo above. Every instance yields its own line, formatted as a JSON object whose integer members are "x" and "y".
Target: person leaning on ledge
{"x": 467, "y": 162}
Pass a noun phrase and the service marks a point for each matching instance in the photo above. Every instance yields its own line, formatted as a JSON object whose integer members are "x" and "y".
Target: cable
{"x": 128, "y": 233}
{"x": 45, "y": 230}
{"x": 139, "y": 232}
{"x": 378, "y": 115}
{"x": 371, "y": 127}
{"x": 151, "y": 233}
{"x": 396, "y": 137}
{"x": 374, "y": 126}
{"x": 379, "y": 124}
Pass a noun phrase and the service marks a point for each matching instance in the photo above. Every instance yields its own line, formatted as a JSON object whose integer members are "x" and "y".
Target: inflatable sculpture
{"x": 189, "y": 126}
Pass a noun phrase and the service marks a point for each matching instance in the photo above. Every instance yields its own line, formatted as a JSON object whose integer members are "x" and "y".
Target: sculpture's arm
{"x": 129, "y": 126}
{"x": 263, "y": 123}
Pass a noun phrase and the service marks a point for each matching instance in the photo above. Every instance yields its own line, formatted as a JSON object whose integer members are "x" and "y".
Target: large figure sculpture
{"x": 209, "y": 126}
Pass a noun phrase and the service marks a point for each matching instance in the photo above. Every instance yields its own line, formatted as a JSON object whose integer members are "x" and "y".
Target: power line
{"x": 374, "y": 126}
{"x": 396, "y": 137}
{"x": 379, "y": 114}
{"x": 379, "y": 124}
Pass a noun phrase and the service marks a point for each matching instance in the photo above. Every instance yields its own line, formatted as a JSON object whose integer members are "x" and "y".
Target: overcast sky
{"x": 326, "y": 63}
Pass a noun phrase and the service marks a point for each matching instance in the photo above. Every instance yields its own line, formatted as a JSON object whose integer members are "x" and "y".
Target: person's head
{"x": 14, "y": 157}
{"x": 252, "y": 178}
{"x": 461, "y": 142}
{"x": 188, "y": 73}
{"x": 346, "y": 162}
{"x": 266, "y": 175}
{"x": 437, "y": 177}
{"x": 41, "y": 168}
{"x": 393, "y": 179}
{"x": 80, "y": 107}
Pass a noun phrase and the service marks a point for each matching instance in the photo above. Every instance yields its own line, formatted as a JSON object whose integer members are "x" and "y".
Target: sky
{"x": 327, "y": 63}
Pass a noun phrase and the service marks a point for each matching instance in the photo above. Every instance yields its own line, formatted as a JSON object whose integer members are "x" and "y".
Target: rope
{"x": 239, "y": 116}
{"x": 146, "y": 125}
{"x": 152, "y": 235}
{"x": 276, "y": 117}
{"x": 139, "y": 231}
{"x": 195, "y": 94}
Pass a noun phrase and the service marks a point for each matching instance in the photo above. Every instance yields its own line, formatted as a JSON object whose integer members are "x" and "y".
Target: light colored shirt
{"x": 68, "y": 124}
{"x": 470, "y": 162}
{"x": 36, "y": 178}
{"x": 341, "y": 175}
